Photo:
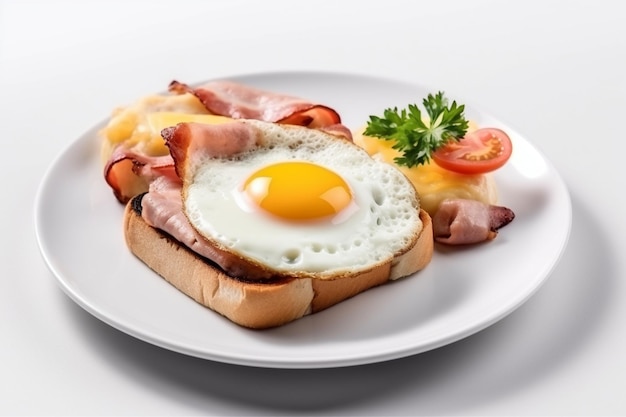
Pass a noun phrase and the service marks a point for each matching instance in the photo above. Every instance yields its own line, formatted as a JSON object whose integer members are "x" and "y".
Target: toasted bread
{"x": 260, "y": 304}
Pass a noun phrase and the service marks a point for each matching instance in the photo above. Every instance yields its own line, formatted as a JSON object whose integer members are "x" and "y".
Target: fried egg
{"x": 303, "y": 202}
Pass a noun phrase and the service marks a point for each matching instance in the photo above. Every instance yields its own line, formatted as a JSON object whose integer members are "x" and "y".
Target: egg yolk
{"x": 298, "y": 191}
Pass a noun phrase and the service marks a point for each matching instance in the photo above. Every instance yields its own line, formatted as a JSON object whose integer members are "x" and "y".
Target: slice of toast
{"x": 259, "y": 304}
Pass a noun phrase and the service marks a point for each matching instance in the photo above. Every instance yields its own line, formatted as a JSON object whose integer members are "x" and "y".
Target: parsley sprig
{"x": 417, "y": 138}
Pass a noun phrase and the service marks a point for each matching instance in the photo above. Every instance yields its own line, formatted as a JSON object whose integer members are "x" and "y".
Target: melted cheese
{"x": 139, "y": 125}
{"x": 433, "y": 183}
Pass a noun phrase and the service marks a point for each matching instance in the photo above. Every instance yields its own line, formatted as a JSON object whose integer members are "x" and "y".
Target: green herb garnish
{"x": 414, "y": 137}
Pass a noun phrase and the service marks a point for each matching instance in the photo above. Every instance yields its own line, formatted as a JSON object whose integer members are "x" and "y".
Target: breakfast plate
{"x": 79, "y": 231}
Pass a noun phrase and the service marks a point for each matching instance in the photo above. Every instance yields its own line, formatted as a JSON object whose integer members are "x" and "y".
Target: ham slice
{"x": 338, "y": 130}
{"x": 201, "y": 140}
{"x": 129, "y": 173}
{"x": 162, "y": 208}
{"x": 462, "y": 221}
{"x": 227, "y": 98}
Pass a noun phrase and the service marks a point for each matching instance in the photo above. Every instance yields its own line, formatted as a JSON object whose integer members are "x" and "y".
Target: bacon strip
{"x": 462, "y": 221}
{"x": 227, "y": 98}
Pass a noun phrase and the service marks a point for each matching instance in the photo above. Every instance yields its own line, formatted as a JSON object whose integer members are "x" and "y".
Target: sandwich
{"x": 265, "y": 223}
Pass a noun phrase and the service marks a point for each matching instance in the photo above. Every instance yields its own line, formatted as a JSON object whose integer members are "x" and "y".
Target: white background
{"x": 554, "y": 70}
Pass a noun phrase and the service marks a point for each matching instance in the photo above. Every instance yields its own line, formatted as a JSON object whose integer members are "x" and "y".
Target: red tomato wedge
{"x": 481, "y": 151}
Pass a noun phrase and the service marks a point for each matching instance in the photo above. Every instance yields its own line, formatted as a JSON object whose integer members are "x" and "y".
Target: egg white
{"x": 382, "y": 218}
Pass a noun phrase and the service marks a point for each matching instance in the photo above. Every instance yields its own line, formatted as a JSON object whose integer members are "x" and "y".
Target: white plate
{"x": 79, "y": 229}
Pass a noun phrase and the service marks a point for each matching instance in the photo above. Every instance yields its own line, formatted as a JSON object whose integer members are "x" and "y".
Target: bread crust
{"x": 260, "y": 304}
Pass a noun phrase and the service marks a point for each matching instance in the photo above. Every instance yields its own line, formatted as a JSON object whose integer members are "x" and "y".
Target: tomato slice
{"x": 481, "y": 151}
